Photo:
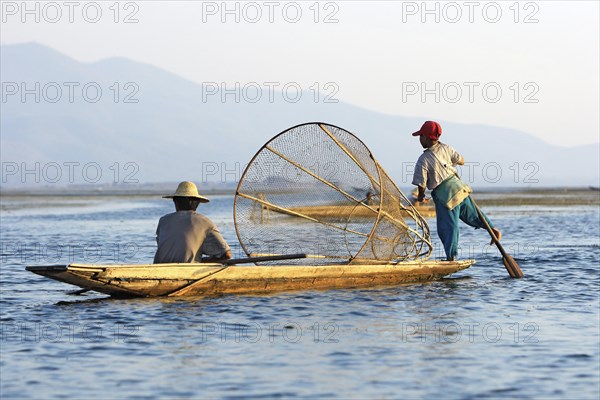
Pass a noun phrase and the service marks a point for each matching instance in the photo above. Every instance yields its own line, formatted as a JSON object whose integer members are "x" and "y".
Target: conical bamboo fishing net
{"x": 317, "y": 189}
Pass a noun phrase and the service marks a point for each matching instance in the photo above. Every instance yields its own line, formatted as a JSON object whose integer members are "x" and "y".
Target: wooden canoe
{"x": 343, "y": 212}
{"x": 154, "y": 280}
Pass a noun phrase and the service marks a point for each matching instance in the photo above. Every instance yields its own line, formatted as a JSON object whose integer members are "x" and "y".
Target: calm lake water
{"x": 477, "y": 334}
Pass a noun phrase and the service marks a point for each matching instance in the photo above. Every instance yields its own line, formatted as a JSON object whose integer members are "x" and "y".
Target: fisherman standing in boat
{"x": 184, "y": 236}
{"x": 435, "y": 170}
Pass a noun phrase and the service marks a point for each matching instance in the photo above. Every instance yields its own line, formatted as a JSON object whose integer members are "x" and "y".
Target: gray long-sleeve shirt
{"x": 184, "y": 236}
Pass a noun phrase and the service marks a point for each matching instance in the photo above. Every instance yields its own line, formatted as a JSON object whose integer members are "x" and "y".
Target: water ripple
{"x": 477, "y": 334}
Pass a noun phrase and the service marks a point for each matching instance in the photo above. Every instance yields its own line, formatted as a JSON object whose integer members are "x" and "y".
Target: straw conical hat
{"x": 187, "y": 189}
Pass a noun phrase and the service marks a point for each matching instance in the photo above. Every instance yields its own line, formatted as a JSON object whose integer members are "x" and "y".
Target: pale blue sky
{"x": 379, "y": 54}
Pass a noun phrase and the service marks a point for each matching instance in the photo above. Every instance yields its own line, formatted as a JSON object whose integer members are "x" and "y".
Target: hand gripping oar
{"x": 511, "y": 265}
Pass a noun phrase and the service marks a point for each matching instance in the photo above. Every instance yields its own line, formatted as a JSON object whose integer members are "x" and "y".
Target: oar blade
{"x": 512, "y": 267}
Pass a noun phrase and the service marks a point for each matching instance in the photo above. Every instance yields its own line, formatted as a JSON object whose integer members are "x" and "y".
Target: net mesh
{"x": 316, "y": 189}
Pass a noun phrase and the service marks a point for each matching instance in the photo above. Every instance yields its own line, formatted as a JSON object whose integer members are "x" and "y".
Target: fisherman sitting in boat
{"x": 184, "y": 236}
{"x": 435, "y": 170}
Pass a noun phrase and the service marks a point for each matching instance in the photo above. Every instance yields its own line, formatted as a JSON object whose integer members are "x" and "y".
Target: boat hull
{"x": 154, "y": 280}
{"x": 344, "y": 212}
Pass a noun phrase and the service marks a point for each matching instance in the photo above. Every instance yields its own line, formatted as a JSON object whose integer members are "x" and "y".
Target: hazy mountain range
{"x": 172, "y": 133}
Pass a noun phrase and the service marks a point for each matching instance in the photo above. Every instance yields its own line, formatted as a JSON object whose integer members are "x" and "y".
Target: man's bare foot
{"x": 498, "y": 235}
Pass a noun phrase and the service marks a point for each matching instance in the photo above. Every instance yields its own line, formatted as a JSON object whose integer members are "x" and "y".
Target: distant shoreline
{"x": 508, "y": 196}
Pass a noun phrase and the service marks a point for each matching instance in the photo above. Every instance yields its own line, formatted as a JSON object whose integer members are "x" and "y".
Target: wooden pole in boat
{"x": 511, "y": 265}
{"x": 275, "y": 257}
{"x": 232, "y": 261}
{"x": 189, "y": 287}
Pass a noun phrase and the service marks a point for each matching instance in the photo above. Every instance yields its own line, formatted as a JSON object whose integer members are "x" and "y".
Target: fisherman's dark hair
{"x": 186, "y": 203}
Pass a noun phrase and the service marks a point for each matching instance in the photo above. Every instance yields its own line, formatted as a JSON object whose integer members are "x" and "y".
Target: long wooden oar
{"x": 511, "y": 265}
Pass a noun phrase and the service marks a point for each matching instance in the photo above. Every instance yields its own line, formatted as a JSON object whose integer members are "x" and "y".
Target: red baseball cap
{"x": 430, "y": 129}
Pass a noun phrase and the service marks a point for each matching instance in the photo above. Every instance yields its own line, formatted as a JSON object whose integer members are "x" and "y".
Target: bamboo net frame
{"x": 316, "y": 188}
